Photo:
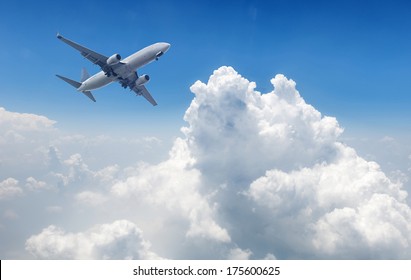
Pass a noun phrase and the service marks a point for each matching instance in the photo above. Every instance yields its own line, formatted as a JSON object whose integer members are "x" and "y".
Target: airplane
{"x": 114, "y": 68}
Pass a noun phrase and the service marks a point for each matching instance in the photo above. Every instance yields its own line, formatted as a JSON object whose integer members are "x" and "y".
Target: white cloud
{"x": 78, "y": 171}
{"x": 31, "y": 146}
{"x": 9, "y": 188}
{"x": 270, "y": 256}
{"x": 378, "y": 228}
{"x": 36, "y": 185}
{"x": 346, "y": 209}
{"x": 348, "y": 181}
{"x": 23, "y": 141}
{"x": 312, "y": 183}
{"x": 254, "y": 176}
{"x": 239, "y": 254}
{"x": 23, "y": 122}
{"x": 91, "y": 198}
{"x": 234, "y": 128}
{"x": 174, "y": 186}
{"x": 109, "y": 173}
{"x": 118, "y": 240}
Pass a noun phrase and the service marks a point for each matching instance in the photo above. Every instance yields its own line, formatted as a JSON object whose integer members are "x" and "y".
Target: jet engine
{"x": 114, "y": 59}
{"x": 142, "y": 80}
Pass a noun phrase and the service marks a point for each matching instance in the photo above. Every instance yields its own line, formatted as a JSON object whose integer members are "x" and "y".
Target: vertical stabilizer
{"x": 84, "y": 75}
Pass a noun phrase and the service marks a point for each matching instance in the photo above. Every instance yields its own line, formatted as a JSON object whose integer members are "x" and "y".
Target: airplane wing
{"x": 142, "y": 90}
{"x": 96, "y": 58}
{"x": 139, "y": 90}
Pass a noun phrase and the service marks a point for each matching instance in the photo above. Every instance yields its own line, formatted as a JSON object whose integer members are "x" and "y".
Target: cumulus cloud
{"x": 234, "y": 128}
{"x": 306, "y": 194}
{"x": 174, "y": 186}
{"x": 118, "y": 240}
{"x": 9, "y": 188}
{"x": 345, "y": 209}
{"x": 36, "y": 185}
{"x": 23, "y": 122}
{"x": 254, "y": 175}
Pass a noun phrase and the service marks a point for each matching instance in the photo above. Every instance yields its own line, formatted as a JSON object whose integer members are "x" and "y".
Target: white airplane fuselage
{"x": 126, "y": 68}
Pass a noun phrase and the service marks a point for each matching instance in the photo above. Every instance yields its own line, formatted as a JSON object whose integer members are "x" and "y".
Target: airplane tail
{"x": 77, "y": 84}
{"x": 84, "y": 75}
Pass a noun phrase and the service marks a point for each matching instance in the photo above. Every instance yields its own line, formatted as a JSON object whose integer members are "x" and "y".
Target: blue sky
{"x": 350, "y": 59}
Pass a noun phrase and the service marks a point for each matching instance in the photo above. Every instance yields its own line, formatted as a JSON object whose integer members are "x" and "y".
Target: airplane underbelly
{"x": 124, "y": 71}
{"x": 141, "y": 61}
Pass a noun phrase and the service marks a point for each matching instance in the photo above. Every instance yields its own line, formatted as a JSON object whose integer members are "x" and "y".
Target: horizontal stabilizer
{"x": 77, "y": 85}
{"x": 89, "y": 95}
{"x": 71, "y": 82}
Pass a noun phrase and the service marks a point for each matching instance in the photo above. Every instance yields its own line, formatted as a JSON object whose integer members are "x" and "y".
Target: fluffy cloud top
{"x": 307, "y": 195}
{"x": 234, "y": 128}
{"x": 119, "y": 240}
{"x": 254, "y": 176}
{"x": 9, "y": 188}
{"x": 346, "y": 209}
{"x": 23, "y": 122}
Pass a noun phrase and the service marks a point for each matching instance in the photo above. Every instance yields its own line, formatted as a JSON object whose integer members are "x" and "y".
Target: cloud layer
{"x": 254, "y": 176}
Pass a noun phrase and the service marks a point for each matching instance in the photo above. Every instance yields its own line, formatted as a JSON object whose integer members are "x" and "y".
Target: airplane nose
{"x": 166, "y": 46}
{"x": 162, "y": 48}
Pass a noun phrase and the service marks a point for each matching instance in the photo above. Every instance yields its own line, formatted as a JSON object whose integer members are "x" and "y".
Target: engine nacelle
{"x": 114, "y": 59}
{"x": 142, "y": 80}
